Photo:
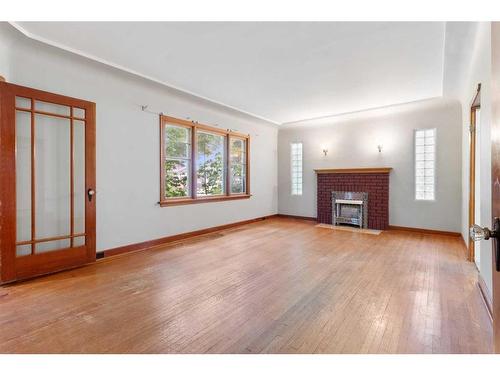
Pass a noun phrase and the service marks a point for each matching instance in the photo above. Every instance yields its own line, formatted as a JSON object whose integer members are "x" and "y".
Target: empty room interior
{"x": 249, "y": 187}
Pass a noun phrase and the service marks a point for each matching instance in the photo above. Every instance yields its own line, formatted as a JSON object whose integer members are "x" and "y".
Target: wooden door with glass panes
{"x": 47, "y": 172}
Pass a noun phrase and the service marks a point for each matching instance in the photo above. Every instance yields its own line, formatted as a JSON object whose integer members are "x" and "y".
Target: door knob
{"x": 90, "y": 194}
{"x": 478, "y": 233}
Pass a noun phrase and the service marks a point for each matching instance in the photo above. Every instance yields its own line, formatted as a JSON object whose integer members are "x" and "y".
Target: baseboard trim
{"x": 297, "y": 217}
{"x": 483, "y": 291}
{"x": 140, "y": 246}
{"x": 425, "y": 231}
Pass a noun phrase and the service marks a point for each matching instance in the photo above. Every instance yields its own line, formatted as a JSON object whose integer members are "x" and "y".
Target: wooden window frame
{"x": 193, "y": 198}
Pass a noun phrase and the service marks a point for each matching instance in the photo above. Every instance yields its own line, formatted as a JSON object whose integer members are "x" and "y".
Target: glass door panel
{"x": 52, "y": 181}
{"x": 52, "y": 108}
{"x": 23, "y": 182}
{"x": 79, "y": 191}
{"x": 58, "y": 189}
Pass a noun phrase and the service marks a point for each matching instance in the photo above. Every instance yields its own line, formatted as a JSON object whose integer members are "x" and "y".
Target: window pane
{"x": 237, "y": 149}
{"x": 177, "y": 142}
{"x": 238, "y": 153}
{"x": 177, "y": 161}
{"x": 210, "y": 164}
{"x": 177, "y": 178}
{"x": 238, "y": 179}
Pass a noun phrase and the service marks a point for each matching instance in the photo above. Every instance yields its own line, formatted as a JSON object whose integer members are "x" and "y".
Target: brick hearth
{"x": 374, "y": 181}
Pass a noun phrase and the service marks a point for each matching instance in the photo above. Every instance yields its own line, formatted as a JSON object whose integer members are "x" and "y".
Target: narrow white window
{"x": 425, "y": 164}
{"x": 296, "y": 163}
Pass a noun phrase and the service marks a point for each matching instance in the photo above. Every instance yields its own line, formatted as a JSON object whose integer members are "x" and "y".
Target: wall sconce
{"x": 325, "y": 151}
{"x": 379, "y": 147}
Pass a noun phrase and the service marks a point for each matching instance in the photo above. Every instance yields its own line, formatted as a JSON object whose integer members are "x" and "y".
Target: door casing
{"x": 495, "y": 170}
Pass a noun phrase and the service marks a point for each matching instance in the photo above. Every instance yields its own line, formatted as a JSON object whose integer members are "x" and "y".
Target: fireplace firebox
{"x": 350, "y": 208}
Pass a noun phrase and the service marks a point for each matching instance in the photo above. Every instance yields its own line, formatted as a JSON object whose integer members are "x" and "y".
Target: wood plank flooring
{"x": 276, "y": 286}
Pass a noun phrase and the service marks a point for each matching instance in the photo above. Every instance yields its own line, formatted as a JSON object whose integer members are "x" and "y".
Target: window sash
{"x": 199, "y": 166}
{"x": 179, "y": 159}
{"x": 191, "y": 158}
{"x": 242, "y": 162}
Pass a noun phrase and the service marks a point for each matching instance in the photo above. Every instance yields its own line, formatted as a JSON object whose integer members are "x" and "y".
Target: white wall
{"x": 467, "y": 63}
{"x": 128, "y": 145}
{"x": 7, "y": 36}
{"x": 352, "y": 142}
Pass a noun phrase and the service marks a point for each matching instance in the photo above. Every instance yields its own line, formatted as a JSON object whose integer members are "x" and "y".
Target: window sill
{"x": 178, "y": 202}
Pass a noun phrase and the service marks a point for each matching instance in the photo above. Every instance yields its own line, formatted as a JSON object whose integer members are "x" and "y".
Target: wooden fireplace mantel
{"x": 353, "y": 170}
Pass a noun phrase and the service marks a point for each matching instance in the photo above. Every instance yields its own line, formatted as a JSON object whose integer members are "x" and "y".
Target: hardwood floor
{"x": 275, "y": 286}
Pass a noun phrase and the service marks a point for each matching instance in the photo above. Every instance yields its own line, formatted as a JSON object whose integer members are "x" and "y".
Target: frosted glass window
{"x": 296, "y": 168}
{"x": 425, "y": 164}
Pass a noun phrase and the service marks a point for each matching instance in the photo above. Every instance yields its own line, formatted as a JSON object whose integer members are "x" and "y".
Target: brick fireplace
{"x": 374, "y": 181}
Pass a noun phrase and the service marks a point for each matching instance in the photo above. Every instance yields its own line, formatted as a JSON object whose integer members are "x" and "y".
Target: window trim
{"x": 193, "y": 198}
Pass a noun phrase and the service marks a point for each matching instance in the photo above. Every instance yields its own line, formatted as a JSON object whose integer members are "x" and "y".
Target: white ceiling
{"x": 280, "y": 71}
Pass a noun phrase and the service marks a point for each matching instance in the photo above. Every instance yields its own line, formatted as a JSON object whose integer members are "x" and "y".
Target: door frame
{"x": 11, "y": 267}
{"x": 475, "y": 104}
{"x": 495, "y": 172}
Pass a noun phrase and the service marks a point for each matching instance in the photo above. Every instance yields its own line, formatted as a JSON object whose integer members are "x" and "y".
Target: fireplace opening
{"x": 350, "y": 208}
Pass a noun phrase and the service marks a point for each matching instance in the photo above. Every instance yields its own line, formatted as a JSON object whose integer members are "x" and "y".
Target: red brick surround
{"x": 375, "y": 184}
